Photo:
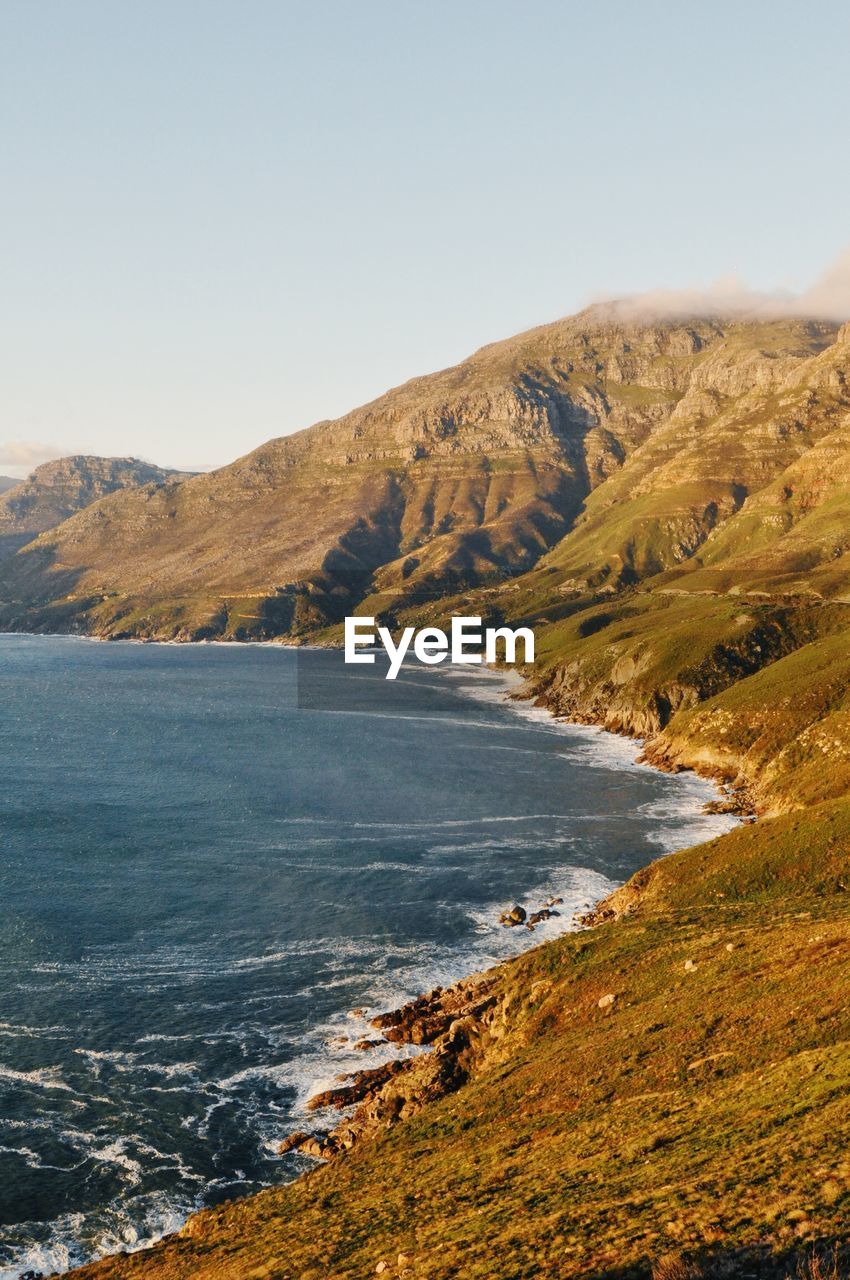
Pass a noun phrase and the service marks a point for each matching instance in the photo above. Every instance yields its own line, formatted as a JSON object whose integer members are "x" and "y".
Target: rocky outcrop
{"x": 423, "y": 1020}
{"x": 363, "y": 1084}
{"x": 57, "y": 490}
{"x": 459, "y": 1025}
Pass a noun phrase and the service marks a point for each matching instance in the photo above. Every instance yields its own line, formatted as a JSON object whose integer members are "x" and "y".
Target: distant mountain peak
{"x": 58, "y": 489}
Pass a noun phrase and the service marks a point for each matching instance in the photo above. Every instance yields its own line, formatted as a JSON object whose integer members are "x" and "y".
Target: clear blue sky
{"x": 223, "y": 221}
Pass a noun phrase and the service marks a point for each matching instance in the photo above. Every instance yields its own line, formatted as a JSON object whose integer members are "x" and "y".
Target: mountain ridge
{"x": 56, "y": 490}
{"x": 451, "y": 481}
{"x": 661, "y": 1095}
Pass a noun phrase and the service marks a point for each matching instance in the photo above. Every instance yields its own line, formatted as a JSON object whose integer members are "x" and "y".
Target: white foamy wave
{"x": 682, "y": 821}
{"x": 23, "y": 1030}
{"x": 41, "y": 1078}
{"x": 128, "y": 1226}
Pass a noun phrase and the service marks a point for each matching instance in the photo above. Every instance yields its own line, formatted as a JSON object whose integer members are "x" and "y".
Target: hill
{"x": 663, "y": 1093}
{"x": 57, "y": 490}
{"x": 6, "y": 482}
{"x": 616, "y": 444}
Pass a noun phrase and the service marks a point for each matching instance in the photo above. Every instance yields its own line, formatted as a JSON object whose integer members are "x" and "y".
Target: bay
{"x": 210, "y": 855}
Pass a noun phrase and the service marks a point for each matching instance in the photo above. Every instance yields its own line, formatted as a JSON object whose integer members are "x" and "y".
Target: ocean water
{"x": 210, "y": 856}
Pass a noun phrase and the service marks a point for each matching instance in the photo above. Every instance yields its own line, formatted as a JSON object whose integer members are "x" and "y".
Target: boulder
{"x": 511, "y": 918}
{"x": 362, "y": 1085}
{"x": 546, "y": 913}
{"x": 292, "y": 1141}
{"x": 316, "y": 1148}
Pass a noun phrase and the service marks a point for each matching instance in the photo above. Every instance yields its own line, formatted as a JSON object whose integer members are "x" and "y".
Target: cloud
{"x": 827, "y": 299}
{"x": 18, "y": 457}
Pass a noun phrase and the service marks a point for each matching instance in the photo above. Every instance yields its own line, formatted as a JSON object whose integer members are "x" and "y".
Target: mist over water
{"x": 201, "y": 872}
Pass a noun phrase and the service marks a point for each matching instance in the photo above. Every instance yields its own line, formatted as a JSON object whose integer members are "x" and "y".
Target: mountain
{"x": 604, "y": 448}
{"x": 6, "y": 482}
{"x": 57, "y": 490}
{"x": 661, "y": 1095}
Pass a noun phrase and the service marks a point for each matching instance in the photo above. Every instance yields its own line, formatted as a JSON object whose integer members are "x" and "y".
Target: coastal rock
{"x": 424, "y": 1019}
{"x": 460, "y": 1024}
{"x": 362, "y": 1085}
{"x": 546, "y": 913}
{"x": 511, "y": 918}
{"x": 292, "y": 1142}
{"x": 314, "y": 1147}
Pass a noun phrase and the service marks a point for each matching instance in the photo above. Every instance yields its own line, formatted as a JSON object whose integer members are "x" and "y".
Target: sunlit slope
{"x": 701, "y": 1114}
{"x": 603, "y": 448}
{"x": 56, "y": 490}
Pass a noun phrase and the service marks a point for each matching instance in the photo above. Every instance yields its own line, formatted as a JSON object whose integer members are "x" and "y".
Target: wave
{"x": 41, "y": 1078}
{"x": 255, "y": 1079}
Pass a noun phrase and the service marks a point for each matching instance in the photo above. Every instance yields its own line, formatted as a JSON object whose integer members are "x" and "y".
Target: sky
{"x": 220, "y": 222}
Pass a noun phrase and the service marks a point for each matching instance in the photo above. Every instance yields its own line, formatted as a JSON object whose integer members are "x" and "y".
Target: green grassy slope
{"x": 703, "y": 1112}
{"x": 698, "y": 599}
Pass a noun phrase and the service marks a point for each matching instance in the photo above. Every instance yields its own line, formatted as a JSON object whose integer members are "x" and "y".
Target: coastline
{"x": 459, "y": 1024}
{"x": 425, "y": 1021}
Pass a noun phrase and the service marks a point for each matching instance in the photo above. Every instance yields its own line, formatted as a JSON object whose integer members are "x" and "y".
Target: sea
{"x": 217, "y": 862}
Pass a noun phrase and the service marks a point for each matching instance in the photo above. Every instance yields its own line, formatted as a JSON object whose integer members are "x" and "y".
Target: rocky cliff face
{"x": 57, "y": 490}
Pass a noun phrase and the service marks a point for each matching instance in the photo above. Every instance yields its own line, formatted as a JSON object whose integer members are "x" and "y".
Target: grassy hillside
{"x": 700, "y": 1114}
{"x": 664, "y": 1093}
{"x": 595, "y": 453}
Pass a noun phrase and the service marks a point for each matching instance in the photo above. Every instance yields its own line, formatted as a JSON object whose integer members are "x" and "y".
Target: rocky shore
{"x": 457, "y": 1025}
{"x": 460, "y": 1025}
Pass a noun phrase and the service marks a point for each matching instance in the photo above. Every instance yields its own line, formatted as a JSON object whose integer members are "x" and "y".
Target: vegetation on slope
{"x": 701, "y": 1113}
{"x": 594, "y": 452}
{"x": 666, "y": 504}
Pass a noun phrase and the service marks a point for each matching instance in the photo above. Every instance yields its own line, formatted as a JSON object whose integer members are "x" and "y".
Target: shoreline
{"x": 395, "y": 1090}
{"x": 452, "y": 1021}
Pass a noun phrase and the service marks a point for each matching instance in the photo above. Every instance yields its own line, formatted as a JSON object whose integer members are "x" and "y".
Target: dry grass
{"x": 672, "y": 1266}
{"x": 821, "y": 1265}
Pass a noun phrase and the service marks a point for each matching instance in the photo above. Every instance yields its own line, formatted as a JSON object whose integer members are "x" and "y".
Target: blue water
{"x": 201, "y": 874}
